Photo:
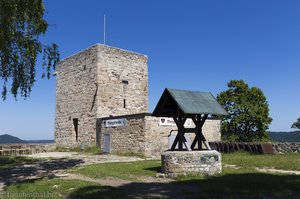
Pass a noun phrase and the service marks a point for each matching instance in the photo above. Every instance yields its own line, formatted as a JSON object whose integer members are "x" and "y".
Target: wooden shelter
{"x": 183, "y": 104}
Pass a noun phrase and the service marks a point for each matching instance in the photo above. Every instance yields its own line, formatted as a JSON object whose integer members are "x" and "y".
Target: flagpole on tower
{"x": 104, "y": 31}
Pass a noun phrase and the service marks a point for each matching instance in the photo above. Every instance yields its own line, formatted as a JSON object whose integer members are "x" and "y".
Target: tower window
{"x": 125, "y": 84}
{"x": 124, "y": 81}
{"x": 124, "y": 103}
{"x": 75, "y": 124}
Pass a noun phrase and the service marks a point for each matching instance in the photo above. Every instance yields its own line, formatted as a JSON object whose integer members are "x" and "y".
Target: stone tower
{"x": 100, "y": 81}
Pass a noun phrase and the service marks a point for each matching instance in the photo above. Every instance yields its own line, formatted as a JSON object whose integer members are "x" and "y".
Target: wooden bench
{"x": 4, "y": 151}
{"x": 15, "y": 149}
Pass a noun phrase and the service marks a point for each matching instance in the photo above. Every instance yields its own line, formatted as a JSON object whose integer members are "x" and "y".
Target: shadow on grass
{"x": 156, "y": 169}
{"x": 92, "y": 192}
{"x": 6, "y": 161}
{"x": 34, "y": 169}
{"x": 252, "y": 185}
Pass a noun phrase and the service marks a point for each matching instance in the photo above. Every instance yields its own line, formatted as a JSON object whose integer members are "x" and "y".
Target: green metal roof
{"x": 189, "y": 102}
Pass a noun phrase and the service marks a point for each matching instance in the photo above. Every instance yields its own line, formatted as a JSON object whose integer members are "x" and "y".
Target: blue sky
{"x": 195, "y": 45}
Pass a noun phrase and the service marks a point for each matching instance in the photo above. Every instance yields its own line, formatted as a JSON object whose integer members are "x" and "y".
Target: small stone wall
{"x": 140, "y": 135}
{"x": 144, "y": 135}
{"x": 156, "y": 137}
{"x": 129, "y": 138}
{"x": 176, "y": 163}
{"x": 286, "y": 147}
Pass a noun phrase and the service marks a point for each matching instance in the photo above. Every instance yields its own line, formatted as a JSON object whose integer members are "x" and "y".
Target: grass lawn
{"x": 233, "y": 182}
{"x": 243, "y": 181}
{"x": 246, "y": 162}
{"x": 90, "y": 150}
{"x": 279, "y": 161}
{"x": 246, "y": 181}
{"x": 125, "y": 170}
{"x": 241, "y": 184}
{"x": 57, "y": 188}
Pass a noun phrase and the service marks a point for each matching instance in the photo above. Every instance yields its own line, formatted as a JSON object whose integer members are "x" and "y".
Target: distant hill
{"x": 9, "y": 139}
{"x": 293, "y": 136}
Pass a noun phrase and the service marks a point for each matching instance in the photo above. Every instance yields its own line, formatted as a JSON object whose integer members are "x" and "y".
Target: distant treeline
{"x": 293, "y": 136}
{"x": 39, "y": 141}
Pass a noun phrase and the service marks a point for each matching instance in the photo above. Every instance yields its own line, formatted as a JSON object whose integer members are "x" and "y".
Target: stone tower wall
{"x": 76, "y": 87}
{"x": 97, "y": 82}
{"x": 123, "y": 82}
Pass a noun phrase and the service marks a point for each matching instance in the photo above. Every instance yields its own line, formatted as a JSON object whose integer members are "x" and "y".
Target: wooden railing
{"x": 20, "y": 149}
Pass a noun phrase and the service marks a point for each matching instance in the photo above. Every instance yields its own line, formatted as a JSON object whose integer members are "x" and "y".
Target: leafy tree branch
{"x": 296, "y": 125}
{"x": 21, "y": 25}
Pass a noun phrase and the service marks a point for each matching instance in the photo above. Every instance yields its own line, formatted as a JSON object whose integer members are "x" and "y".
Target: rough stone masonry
{"x": 175, "y": 163}
{"x": 97, "y": 82}
{"x": 106, "y": 82}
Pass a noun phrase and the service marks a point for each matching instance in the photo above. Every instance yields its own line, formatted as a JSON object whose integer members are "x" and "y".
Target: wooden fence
{"x": 252, "y": 147}
{"x": 21, "y": 149}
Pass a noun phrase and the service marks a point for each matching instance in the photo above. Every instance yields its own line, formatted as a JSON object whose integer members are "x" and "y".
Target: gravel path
{"x": 87, "y": 159}
{"x": 272, "y": 170}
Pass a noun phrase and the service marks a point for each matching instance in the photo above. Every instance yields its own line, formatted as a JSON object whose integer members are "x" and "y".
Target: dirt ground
{"x": 86, "y": 159}
{"x": 53, "y": 164}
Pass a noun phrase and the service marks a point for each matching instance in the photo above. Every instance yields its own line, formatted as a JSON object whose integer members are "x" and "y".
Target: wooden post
{"x": 199, "y": 138}
{"x": 180, "y": 139}
{"x": 199, "y": 122}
